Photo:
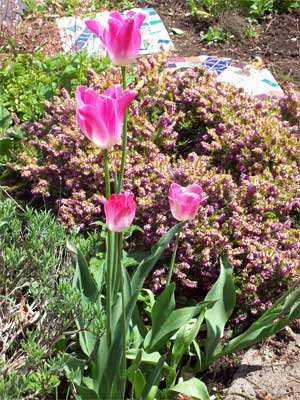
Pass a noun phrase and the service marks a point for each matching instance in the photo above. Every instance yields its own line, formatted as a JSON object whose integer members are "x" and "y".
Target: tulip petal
{"x": 119, "y": 211}
{"x": 116, "y": 15}
{"x": 95, "y": 27}
{"x": 92, "y": 126}
{"x": 114, "y": 91}
{"x": 184, "y": 201}
{"x": 85, "y": 95}
{"x": 124, "y": 101}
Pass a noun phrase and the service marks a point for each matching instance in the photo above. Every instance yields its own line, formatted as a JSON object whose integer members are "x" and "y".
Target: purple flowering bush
{"x": 187, "y": 128}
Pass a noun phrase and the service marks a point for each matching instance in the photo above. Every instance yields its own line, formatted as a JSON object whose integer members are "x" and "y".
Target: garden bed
{"x": 184, "y": 127}
{"x": 276, "y": 39}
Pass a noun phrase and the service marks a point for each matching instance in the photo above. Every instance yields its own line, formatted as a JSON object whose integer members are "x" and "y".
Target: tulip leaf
{"x": 136, "y": 356}
{"x": 153, "y": 381}
{"x": 84, "y": 393}
{"x": 73, "y": 368}
{"x": 223, "y": 291}
{"x": 270, "y": 322}
{"x": 138, "y": 383}
{"x": 145, "y": 267}
{"x": 155, "y": 341}
{"x": 97, "y": 267}
{"x": 193, "y": 388}
{"x": 105, "y": 375}
{"x": 200, "y": 356}
{"x": 185, "y": 336}
{"x": 147, "y": 358}
{"x": 162, "y": 308}
{"x": 84, "y": 282}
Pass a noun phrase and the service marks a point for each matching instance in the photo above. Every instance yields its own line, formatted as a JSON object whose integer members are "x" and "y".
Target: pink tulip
{"x": 119, "y": 211}
{"x": 122, "y": 38}
{"x": 184, "y": 201}
{"x": 100, "y": 117}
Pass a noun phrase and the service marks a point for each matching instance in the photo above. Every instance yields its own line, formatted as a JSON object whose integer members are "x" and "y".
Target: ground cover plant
{"x": 27, "y": 80}
{"x": 124, "y": 332}
{"x": 253, "y": 8}
{"x": 183, "y": 128}
{"x": 243, "y": 152}
{"x": 38, "y": 303}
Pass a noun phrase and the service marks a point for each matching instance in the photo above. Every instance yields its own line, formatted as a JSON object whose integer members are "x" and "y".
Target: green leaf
{"x": 97, "y": 270}
{"x": 5, "y": 119}
{"x": 139, "y": 330}
{"x": 147, "y": 358}
{"x": 85, "y": 393}
{"x": 155, "y": 341}
{"x": 105, "y": 375}
{"x": 146, "y": 297}
{"x": 272, "y": 321}
{"x": 224, "y": 292}
{"x": 154, "y": 380}
{"x": 84, "y": 282}
{"x": 83, "y": 279}
{"x": 136, "y": 356}
{"x": 200, "y": 356}
{"x": 6, "y": 144}
{"x": 149, "y": 262}
{"x": 138, "y": 383}
{"x": 185, "y": 336}
{"x": 134, "y": 258}
{"x": 192, "y": 387}
{"x": 162, "y": 308}
{"x": 73, "y": 368}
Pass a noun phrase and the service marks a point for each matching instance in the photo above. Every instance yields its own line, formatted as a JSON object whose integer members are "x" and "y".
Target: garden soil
{"x": 270, "y": 372}
{"x": 276, "y": 42}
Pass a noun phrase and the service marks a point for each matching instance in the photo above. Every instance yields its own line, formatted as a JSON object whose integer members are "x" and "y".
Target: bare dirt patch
{"x": 276, "y": 41}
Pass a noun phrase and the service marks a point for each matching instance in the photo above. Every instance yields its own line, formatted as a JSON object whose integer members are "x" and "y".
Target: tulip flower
{"x": 122, "y": 37}
{"x": 184, "y": 201}
{"x": 100, "y": 117}
{"x": 119, "y": 211}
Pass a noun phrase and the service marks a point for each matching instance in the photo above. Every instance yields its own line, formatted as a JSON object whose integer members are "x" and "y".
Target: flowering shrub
{"x": 188, "y": 128}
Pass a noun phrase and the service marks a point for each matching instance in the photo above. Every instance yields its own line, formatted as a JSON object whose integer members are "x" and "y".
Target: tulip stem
{"x": 124, "y": 135}
{"x": 109, "y": 256}
{"x": 106, "y": 173}
{"x": 170, "y": 273}
{"x": 122, "y": 290}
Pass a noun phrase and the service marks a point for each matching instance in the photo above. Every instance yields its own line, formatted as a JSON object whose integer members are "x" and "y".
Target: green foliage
{"x": 253, "y": 8}
{"x": 38, "y": 303}
{"x": 27, "y": 80}
{"x": 159, "y": 351}
{"x": 216, "y": 35}
{"x": 286, "y": 5}
{"x": 6, "y": 142}
{"x": 102, "y": 381}
{"x": 5, "y": 119}
{"x": 212, "y": 7}
{"x": 68, "y": 7}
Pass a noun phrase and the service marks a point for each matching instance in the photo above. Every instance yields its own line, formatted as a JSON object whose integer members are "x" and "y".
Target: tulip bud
{"x": 122, "y": 38}
{"x": 184, "y": 201}
{"x": 100, "y": 117}
{"x": 119, "y": 211}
